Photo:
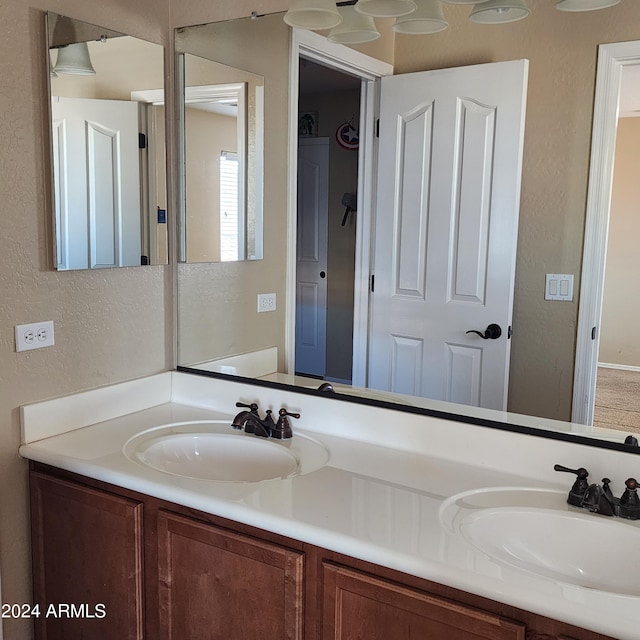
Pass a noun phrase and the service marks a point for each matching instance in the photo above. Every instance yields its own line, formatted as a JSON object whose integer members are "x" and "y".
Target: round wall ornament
{"x": 347, "y": 136}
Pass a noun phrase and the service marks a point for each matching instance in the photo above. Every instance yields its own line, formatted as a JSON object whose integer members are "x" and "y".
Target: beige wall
{"x": 222, "y": 320}
{"x": 109, "y": 325}
{"x": 619, "y": 342}
{"x": 207, "y": 135}
{"x": 562, "y": 49}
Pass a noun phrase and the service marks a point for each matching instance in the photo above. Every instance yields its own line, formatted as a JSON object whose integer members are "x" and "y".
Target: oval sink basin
{"x": 536, "y": 531}
{"x": 577, "y": 548}
{"x": 216, "y": 456}
{"x": 211, "y": 450}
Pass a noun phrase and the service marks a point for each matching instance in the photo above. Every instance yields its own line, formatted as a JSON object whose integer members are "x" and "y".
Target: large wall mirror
{"x": 221, "y": 325}
{"x": 108, "y": 147}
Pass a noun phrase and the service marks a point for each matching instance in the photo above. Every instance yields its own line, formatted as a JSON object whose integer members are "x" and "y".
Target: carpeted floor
{"x": 617, "y": 400}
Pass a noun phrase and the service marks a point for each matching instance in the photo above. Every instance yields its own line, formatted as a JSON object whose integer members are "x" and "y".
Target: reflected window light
{"x": 228, "y": 206}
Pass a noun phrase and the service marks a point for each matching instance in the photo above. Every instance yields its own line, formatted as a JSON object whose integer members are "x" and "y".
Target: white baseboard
{"x": 622, "y": 367}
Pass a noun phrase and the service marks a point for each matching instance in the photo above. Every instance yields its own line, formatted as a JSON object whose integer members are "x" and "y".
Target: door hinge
{"x": 373, "y": 282}
{"x": 594, "y": 333}
{"x": 378, "y": 128}
{"x": 142, "y": 141}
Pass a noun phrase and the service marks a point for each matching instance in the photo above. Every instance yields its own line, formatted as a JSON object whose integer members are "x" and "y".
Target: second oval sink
{"x": 536, "y": 531}
{"x": 576, "y": 548}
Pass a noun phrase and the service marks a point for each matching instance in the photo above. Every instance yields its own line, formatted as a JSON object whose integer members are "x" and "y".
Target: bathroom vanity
{"x": 175, "y": 572}
{"x": 367, "y": 541}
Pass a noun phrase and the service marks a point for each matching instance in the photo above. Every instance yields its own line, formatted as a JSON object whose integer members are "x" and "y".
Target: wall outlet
{"x": 266, "y": 302}
{"x": 35, "y": 335}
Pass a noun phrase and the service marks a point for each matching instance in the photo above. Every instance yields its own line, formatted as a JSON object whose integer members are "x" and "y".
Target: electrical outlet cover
{"x": 34, "y": 335}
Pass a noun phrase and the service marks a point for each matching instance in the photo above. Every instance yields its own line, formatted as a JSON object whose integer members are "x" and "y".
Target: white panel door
{"x": 96, "y": 183}
{"x": 311, "y": 263}
{"x": 450, "y": 159}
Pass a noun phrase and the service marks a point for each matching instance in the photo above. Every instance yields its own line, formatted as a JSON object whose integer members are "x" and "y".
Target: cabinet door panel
{"x": 220, "y": 585}
{"x": 87, "y": 551}
{"x": 357, "y": 605}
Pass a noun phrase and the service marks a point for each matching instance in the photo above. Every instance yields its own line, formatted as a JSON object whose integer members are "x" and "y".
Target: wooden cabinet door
{"x": 87, "y": 562}
{"x": 220, "y": 585}
{"x": 357, "y": 605}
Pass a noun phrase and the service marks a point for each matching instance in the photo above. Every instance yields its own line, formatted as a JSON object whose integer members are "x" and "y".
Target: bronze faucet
{"x": 265, "y": 427}
{"x": 600, "y": 499}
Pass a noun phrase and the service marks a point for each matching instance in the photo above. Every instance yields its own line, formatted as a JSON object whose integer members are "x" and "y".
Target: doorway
{"x": 615, "y": 61}
{"x": 366, "y": 71}
{"x": 328, "y": 115}
{"x": 617, "y": 401}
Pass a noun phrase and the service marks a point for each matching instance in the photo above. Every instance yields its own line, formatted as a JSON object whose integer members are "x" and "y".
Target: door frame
{"x": 612, "y": 58}
{"x": 312, "y": 46}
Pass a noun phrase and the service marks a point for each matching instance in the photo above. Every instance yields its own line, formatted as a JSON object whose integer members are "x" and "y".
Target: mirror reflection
{"x": 108, "y": 147}
{"x": 555, "y": 182}
{"x": 222, "y": 136}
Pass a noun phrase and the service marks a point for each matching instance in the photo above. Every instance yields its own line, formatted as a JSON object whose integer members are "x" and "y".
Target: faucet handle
{"x": 253, "y": 407}
{"x": 582, "y": 473}
{"x": 283, "y": 428}
{"x": 580, "y": 486}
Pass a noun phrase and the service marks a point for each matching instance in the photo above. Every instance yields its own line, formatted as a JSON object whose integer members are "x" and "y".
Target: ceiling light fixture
{"x": 355, "y": 28}
{"x": 584, "y": 5}
{"x": 499, "y": 11}
{"x": 427, "y": 18}
{"x": 385, "y": 8}
{"x": 74, "y": 59}
{"x": 313, "y": 14}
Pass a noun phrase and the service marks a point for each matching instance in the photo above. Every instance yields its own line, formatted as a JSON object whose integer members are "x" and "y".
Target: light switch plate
{"x": 559, "y": 286}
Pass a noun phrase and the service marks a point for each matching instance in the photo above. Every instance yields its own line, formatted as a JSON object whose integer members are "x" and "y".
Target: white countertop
{"x": 372, "y": 501}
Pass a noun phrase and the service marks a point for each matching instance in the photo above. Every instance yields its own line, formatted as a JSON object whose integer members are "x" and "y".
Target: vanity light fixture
{"x": 385, "y": 8}
{"x": 499, "y": 11}
{"x": 313, "y": 14}
{"x": 427, "y": 18}
{"x": 355, "y": 28}
{"x": 584, "y": 5}
{"x": 74, "y": 59}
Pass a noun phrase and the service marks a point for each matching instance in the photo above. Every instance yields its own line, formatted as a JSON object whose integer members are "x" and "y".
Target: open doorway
{"x": 327, "y": 185}
{"x": 615, "y": 62}
{"x": 617, "y": 401}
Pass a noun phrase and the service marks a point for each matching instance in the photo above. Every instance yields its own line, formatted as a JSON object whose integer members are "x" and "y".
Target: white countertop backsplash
{"x": 377, "y": 498}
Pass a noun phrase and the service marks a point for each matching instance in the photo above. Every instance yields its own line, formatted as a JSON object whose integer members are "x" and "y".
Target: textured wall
{"x": 619, "y": 343}
{"x": 222, "y": 320}
{"x": 109, "y": 325}
{"x": 562, "y": 49}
